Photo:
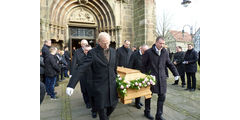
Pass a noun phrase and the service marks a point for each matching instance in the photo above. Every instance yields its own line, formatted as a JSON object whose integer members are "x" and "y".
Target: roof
{"x": 179, "y": 37}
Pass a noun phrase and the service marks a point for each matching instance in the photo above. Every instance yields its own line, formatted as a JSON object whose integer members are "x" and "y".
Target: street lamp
{"x": 185, "y": 3}
{"x": 191, "y": 30}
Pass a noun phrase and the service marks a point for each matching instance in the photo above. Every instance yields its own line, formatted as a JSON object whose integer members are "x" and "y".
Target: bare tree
{"x": 163, "y": 24}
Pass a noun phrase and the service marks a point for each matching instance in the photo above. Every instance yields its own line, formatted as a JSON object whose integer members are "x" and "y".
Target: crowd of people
{"x": 96, "y": 70}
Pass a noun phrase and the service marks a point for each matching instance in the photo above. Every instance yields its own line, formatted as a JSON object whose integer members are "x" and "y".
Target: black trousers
{"x": 182, "y": 79}
{"x": 84, "y": 93}
{"x": 92, "y": 102}
{"x": 191, "y": 80}
{"x": 137, "y": 100}
{"x": 106, "y": 112}
{"x": 160, "y": 102}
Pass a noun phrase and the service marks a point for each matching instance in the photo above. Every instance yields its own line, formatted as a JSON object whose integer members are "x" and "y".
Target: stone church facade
{"x": 67, "y": 22}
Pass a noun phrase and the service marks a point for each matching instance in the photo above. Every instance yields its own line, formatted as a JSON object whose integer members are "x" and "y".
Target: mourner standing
{"x": 123, "y": 54}
{"x": 177, "y": 61}
{"x": 190, "y": 61}
{"x": 102, "y": 63}
{"x": 45, "y": 49}
{"x": 136, "y": 63}
{"x": 155, "y": 61}
{"x": 51, "y": 71}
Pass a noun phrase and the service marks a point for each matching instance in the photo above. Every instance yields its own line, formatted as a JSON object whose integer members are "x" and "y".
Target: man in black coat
{"x": 177, "y": 61}
{"x": 78, "y": 55}
{"x": 155, "y": 61}
{"x": 136, "y": 63}
{"x": 45, "y": 49}
{"x": 123, "y": 54}
{"x": 77, "y": 59}
{"x": 190, "y": 61}
{"x": 103, "y": 64}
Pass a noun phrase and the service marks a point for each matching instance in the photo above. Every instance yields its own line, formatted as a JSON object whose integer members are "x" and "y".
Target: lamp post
{"x": 185, "y": 3}
{"x": 191, "y": 30}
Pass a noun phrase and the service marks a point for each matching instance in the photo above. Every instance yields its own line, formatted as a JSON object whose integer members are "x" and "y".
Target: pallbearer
{"x": 136, "y": 63}
{"x": 102, "y": 62}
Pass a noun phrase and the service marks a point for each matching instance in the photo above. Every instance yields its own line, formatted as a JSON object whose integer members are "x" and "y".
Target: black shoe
{"x": 159, "y": 118}
{"x": 187, "y": 89}
{"x": 174, "y": 84}
{"x": 88, "y": 106}
{"x": 138, "y": 106}
{"x": 94, "y": 114}
{"x": 55, "y": 93}
{"x": 192, "y": 90}
{"x": 148, "y": 115}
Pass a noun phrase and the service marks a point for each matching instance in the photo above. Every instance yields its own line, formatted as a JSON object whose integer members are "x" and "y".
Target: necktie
{"x": 159, "y": 52}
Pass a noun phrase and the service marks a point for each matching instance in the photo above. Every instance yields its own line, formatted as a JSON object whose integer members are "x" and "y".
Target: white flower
{"x": 118, "y": 75}
{"x": 128, "y": 86}
{"x": 122, "y": 87}
{"x": 143, "y": 82}
{"x": 153, "y": 83}
{"x": 120, "y": 78}
{"x": 145, "y": 79}
{"x": 148, "y": 83}
{"x": 140, "y": 84}
{"x": 136, "y": 83}
{"x": 128, "y": 82}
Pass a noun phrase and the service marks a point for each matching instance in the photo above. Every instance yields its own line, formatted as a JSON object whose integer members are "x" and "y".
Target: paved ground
{"x": 179, "y": 105}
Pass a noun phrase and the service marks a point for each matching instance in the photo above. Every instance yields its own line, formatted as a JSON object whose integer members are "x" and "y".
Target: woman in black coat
{"x": 51, "y": 71}
{"x": 190, "y": 61}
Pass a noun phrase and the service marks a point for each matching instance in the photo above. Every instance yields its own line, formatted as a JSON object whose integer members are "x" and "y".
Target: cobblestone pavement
{"x": 179, "y": 105}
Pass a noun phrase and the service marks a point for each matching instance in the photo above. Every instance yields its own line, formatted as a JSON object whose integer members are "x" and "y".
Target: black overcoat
{"x": 156, "y": 65}
{"x": 191, "y": 56}
{"x": 42, "y": 65}
{"x": 77, "y": 58}
{"x": 45, "y": 52}
{"x": 123, "y": 56}
{"x": 179, "y": 58}
{"x": 67, "y": 58}
{"x": 51, "y": 66}
{"x": 136, "y": 61}
{"x": 103, "y": 76}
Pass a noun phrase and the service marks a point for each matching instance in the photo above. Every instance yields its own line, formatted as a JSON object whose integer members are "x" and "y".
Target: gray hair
{"x": 103, "y": 34}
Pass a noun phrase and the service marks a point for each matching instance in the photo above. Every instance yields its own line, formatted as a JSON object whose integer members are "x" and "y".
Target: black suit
{"x": 156, "y": 65}
{"x": 123, "y": 56}
{"x": 78, "y": 58}
{"x": 136, "y": 63}
{"x": 104, "y": 87}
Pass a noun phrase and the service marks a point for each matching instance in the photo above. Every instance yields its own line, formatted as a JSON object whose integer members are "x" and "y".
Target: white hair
{"x": 103, "y": 34}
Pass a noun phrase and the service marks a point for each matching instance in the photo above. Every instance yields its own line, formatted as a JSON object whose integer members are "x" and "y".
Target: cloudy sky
{"x": 180, "y": 15}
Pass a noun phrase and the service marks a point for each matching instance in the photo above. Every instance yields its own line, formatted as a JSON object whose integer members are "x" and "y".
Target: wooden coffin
{"x": 131, "y": 74}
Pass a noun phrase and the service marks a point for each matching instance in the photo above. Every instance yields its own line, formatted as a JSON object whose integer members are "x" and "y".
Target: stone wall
{"x": 134, "y": 21}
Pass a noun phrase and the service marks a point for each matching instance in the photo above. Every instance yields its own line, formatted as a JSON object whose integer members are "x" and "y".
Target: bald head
{"x": 104, "y": 40}
{"x": 84, "y": 43}
{"x": 143, "y": 48}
